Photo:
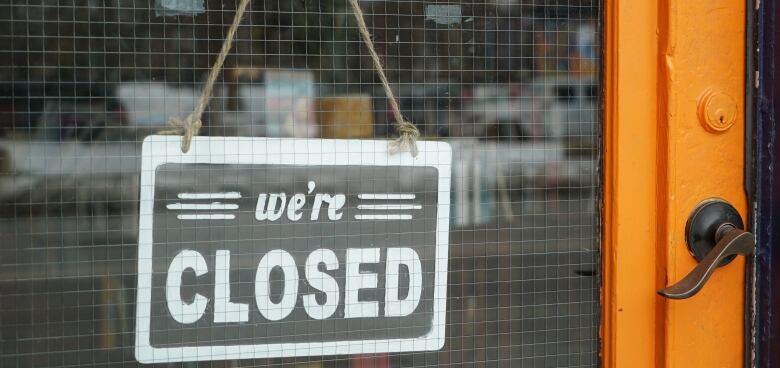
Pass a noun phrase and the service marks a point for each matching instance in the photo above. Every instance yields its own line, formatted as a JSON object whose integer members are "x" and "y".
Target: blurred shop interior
{"x": 513, "y": 86}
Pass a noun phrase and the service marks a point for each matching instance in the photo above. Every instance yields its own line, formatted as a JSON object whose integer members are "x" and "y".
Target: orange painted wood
{"x": 630, "y": 327}
{"x": 703, "y": 50}
{"x": 661, "y": 57}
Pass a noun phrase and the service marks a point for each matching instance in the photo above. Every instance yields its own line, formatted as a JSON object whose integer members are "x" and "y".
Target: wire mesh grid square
{"x": 513, "y": 87}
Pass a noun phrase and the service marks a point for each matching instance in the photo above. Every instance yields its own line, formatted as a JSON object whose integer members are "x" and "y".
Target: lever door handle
{"x": 716, "y": 225}
{"x": 733, "y": 242}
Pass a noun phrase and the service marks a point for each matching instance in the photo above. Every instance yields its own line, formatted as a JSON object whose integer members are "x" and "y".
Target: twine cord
{"x": 190, "y": 126}
{"x": 407, "y": 132}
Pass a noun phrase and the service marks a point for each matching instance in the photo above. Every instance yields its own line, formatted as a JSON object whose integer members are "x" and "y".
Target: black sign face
{"x": 254, "y": 247}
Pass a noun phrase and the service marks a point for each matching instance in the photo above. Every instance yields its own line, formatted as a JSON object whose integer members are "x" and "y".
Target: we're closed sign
{"x": 255, "y": 248}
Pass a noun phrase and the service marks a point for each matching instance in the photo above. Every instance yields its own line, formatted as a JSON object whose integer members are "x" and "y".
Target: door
{"x": 582, "y": 135}
{"x": 675, "y": 133}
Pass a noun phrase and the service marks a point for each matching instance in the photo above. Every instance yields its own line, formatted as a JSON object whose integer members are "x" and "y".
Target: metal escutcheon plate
{"x": 703, "y": 224}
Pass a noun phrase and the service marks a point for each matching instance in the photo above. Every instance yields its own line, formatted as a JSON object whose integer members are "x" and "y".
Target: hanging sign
{"x": 262, "y": 247}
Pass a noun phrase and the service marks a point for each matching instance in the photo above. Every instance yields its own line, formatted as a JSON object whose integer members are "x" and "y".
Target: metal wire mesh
{"x": 513, "y": 86}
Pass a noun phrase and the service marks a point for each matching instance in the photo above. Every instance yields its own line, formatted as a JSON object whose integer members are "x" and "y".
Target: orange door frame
{"x": 662, "y": 59}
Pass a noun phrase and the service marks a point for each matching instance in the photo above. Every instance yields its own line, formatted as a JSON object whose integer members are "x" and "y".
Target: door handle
{"x": 715, "y": 236}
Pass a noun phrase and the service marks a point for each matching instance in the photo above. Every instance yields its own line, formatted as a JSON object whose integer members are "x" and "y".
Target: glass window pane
{"x": 513, "y": 87}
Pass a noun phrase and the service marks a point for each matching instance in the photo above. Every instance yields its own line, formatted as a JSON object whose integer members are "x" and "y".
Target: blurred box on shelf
{"x": 473, "y": 178}
{"x": 347, "y": 116}
{"x": 260, "y": 102}
{"x": 169, "y": 8}
{"x": 473, "y": 201}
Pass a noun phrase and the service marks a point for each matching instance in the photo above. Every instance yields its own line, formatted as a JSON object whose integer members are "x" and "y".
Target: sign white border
{"x": 159, "y": 150}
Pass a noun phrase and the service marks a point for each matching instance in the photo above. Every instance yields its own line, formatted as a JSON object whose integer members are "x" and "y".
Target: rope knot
{"x": 407, "y": 138}
{"x": 187, "y": 128}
